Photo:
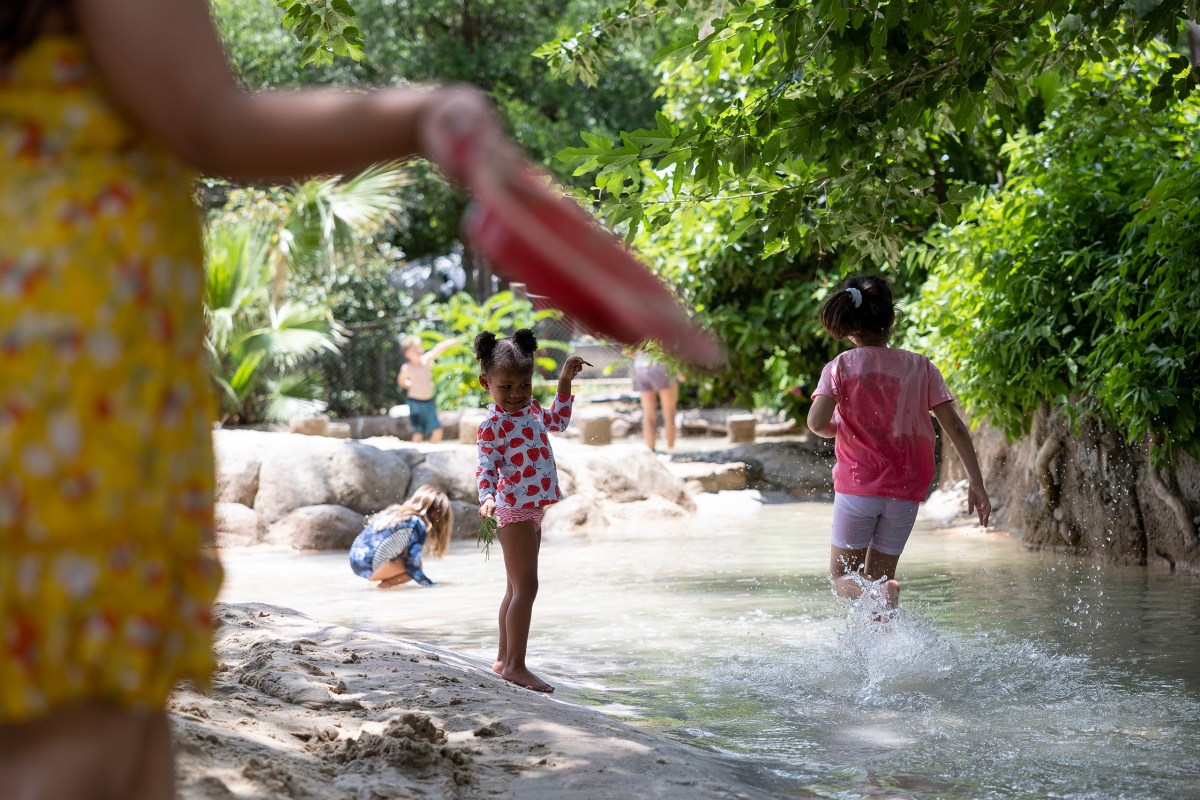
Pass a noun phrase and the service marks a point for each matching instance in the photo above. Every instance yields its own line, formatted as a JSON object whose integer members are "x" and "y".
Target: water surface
{"x": 1008, "y": 674}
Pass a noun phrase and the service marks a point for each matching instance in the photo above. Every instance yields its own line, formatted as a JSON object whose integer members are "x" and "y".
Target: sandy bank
{"x": 303, "y": 709}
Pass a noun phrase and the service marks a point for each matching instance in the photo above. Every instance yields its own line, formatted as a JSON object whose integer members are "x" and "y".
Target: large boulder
{"x": 238, "y": 457}
{"x": 319, "y": 527}
{"x": 452, "y": 470}
{"x": 367, "y": 479}
{"x": 238, "y": 525}
{"x": 295, "y": 473}
{"x": 466, "y": 520}
{"x": 613, "y": 485}
{"x": 298, "y": 471}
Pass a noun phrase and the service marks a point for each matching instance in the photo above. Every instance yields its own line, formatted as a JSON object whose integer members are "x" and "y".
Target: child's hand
{"x": 977, "y": 501}
{"x": 488, "y": 508}
{"x": 572, "y": 367}
{"x": 459, "y": 128}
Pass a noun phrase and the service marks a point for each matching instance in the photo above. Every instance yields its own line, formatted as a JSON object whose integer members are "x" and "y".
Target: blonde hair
{"x": 433, "y": 506}
{"x": 410, "y": 341}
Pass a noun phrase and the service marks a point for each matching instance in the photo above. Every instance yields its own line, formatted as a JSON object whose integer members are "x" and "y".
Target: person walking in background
{"x": 875, "y": 402}
{"x": 416, "y": 378}
{"x": 390, "y": 547}
{"x": 107, "y": 573}
{"x": 655, "y": 384}
{"x": 518, "y": 479}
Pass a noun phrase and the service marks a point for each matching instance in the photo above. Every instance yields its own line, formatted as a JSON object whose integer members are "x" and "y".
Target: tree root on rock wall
{"x": 1047, "y": 480}
{"x": 1174, "y": 502}
{"x": 1051, "y": 490}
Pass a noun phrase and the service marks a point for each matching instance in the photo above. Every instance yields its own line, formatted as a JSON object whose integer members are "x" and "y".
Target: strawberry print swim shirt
{"x": 516, "y": 464}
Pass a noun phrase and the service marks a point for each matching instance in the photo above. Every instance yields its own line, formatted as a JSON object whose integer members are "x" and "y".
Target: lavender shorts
{"x": 652, "y": 378}
{"x": 880, "y": 523}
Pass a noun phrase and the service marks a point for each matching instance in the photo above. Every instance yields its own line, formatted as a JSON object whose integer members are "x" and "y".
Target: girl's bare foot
{"x": 498, "y": 667}
{"x": 891, "y": 593}
{"x": 393, "y": 581}
{"x": 526, "y": 679}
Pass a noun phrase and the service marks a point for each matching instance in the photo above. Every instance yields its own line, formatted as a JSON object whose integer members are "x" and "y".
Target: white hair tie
{"x": 855, "y": 295}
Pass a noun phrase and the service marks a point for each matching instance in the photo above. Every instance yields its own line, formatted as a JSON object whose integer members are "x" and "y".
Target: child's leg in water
{"x": 521, "y": 543}
{"x": 845, "y": 563}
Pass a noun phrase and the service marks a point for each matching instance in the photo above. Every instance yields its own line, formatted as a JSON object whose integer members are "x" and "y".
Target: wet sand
{"x": 304, "y": 709}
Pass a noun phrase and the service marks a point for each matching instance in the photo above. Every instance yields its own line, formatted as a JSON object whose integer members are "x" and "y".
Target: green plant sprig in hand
{"x": 487, "y": 535}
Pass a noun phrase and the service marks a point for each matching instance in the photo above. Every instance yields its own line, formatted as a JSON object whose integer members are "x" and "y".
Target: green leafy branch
{"x": 326, "y": 28}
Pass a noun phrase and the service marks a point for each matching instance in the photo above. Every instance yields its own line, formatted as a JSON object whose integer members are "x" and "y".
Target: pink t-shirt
{"x": 885, "y": 439}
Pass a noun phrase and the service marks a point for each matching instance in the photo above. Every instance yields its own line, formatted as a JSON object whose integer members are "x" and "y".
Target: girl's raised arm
{"x": 164, "y": 63}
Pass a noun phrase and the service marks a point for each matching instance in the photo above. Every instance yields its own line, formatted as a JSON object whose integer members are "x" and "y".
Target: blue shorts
{"x": 423, "y": 415}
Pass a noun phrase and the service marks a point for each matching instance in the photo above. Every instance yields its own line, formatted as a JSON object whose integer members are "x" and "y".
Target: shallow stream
{"x": 1008, "y": 674}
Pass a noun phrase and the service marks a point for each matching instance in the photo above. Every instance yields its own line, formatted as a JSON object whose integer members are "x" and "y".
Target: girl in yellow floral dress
{"x": 107, "y": 577}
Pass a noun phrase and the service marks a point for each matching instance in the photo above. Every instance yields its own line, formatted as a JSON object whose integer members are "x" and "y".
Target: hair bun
{"x": 485, "y": 343}
{"x": 526, "y": 340}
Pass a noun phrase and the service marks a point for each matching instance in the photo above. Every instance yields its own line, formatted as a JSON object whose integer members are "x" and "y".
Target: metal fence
{"x": 361, "y": 378}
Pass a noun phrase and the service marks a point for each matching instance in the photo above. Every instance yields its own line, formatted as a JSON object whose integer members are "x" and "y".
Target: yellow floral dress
{"x": 107, "y": 576}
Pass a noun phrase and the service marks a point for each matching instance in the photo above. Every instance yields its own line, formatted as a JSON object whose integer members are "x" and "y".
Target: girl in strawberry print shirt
{"x": 517, "y": 480}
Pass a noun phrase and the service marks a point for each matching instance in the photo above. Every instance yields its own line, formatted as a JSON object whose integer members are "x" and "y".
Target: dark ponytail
{"x": 862, "y": 306}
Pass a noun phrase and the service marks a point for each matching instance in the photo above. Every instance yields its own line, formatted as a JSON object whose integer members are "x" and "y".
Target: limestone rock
{"x": 452, "y": 470}
{"x": 238, "y": 525}
{"x": 594, "y": 429}
{"x": 295, "y": 473}
{"x": 367, "y": 479}
{"x": 701, "y": 476}
{"x": 381, "y": 425}
{"x": 310, "y": 426}
{"x": 468, "y": 425}
{"x": 238, "y": 458}
{"x": 741, "y": 427}
{"x": 793, "y": 466}
{"x": 318, "y": 527}
{"x": 466, "y": 520}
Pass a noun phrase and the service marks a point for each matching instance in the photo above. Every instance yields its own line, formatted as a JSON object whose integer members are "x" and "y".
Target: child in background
{"x": 654, "y": 385}
{"x": 416, "y": 378}
{"x": 107, "y": 573}
{"x": 517, "y": 480}
{"x": 875, "y": 400}
{"x": 389, "y": 548}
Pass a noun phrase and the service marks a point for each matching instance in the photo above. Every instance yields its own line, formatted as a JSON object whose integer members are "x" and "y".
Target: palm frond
{"x": 293, "y": 394}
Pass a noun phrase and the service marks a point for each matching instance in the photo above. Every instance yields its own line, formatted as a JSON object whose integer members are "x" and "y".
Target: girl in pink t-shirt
{"x": 517, "y": 480}
{"x": 875, "y": 401}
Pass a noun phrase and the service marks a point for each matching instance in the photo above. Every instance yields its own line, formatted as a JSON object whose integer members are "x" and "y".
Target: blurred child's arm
{"x": 165, "y": 64}
{"x": 404, "y": 379}
{"x": 960, "y": 436}
{"x": 431, "y": 355}
{"x": 820, "y": 416}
